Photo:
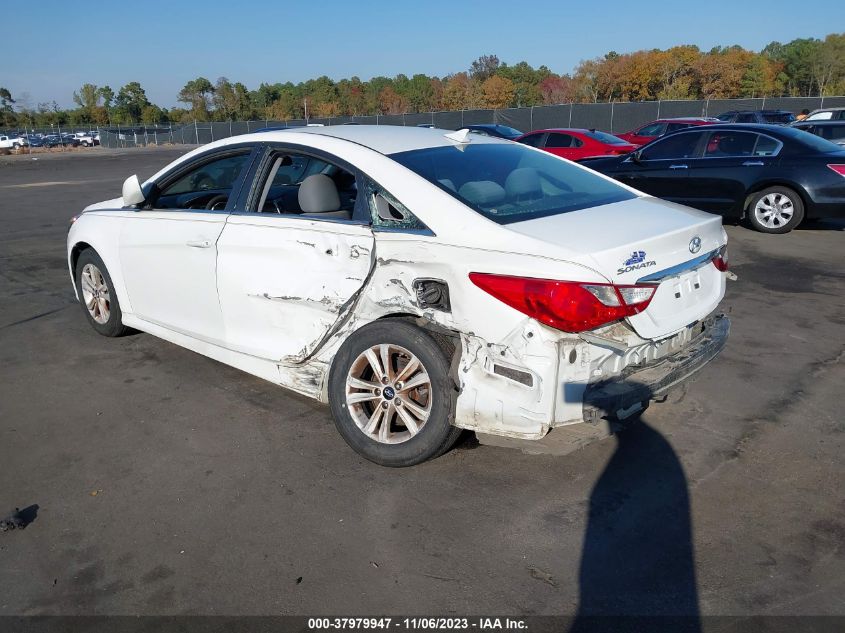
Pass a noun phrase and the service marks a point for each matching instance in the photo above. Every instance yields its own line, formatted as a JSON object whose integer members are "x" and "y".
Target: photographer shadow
{"x": 637, "y": 568}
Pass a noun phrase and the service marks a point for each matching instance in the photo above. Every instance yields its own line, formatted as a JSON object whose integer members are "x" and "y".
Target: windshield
{"x": 604, "y": 137}
{"x": 510, "y": 182}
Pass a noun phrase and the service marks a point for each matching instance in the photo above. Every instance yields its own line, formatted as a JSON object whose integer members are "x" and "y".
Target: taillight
{"x": 721, "y": 259}
{"x": 839, "y": 169}
{"x": 566, "y": 305}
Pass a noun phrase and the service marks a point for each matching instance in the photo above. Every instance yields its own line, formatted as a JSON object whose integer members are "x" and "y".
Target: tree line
{"x": 802, "y": 67}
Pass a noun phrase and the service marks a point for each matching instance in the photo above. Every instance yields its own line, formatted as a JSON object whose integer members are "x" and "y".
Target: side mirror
{"x": 132, "y": 193}
{"x": 637, "y": 156}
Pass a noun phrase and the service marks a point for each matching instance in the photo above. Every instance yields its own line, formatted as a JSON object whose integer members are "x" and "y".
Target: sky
{"x": 163, "y": 45}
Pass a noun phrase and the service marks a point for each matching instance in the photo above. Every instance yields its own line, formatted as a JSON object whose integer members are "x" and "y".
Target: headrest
{"x": 318, "y": 194}
{"x": 523, "y": 183}
{"x": 482, "y": 192}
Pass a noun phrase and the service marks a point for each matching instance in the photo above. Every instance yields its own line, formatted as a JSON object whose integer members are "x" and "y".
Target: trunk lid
{"x": 645, "y": 240}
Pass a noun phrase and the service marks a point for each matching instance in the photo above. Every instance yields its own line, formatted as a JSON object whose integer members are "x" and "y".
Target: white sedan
{"x": 419, "y": 281}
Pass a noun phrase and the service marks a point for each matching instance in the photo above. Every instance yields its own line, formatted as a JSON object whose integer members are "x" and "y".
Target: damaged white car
{"x": 420, "y": 282}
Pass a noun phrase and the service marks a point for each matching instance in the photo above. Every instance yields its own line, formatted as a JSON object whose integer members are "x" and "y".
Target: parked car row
{"x": 64, "y": 139}
{"x": 773, "y": 176}
{"x": 759, "y": 166}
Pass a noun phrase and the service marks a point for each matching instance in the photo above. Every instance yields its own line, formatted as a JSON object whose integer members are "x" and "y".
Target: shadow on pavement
{"x": 637, "y": 567}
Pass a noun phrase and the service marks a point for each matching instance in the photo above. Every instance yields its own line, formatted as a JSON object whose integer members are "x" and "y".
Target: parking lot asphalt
{"x": 167, "y": 483}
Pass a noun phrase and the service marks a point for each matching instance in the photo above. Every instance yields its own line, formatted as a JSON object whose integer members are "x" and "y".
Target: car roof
{"x": 806, "y": 123}
{"x": 386, "y": 139}
{"x": 745, "y": 127}
{"x": 577, "y": 130}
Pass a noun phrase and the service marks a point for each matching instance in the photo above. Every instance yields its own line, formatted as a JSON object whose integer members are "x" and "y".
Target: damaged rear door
{"x": 285, "y": 281}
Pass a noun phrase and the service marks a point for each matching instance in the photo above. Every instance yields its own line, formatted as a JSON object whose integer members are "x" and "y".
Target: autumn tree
{"x": 498, "y": 92}
{"x": 554, "y": 89}
{"x": 391, "y": 102}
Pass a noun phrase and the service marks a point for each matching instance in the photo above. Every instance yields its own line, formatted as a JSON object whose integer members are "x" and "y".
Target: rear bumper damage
{"x": 624, "y": 395}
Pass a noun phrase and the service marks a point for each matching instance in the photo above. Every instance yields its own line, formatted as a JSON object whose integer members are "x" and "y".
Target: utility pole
{"x": 305, "y": 103}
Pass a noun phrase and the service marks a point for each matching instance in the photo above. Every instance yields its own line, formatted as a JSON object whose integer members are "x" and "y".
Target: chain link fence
{"x": 612, "y": 117}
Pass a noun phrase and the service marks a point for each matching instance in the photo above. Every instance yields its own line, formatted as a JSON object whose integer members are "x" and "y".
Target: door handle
{"x": 199, "y": 243}
{"x": 678, "y": 167}
{"x": 753, "y": 163}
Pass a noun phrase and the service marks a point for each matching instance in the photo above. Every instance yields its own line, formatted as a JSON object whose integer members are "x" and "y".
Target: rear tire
{"x": 775, "y": 210}
{"x": 97, "y": 296}
{"x": 391, "y": 394}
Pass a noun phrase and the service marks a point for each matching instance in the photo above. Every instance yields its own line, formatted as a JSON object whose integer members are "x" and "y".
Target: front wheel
{"x": 97, "y": 294}
{"x": 775, "y": 210}
{"x": 391, "y": 394}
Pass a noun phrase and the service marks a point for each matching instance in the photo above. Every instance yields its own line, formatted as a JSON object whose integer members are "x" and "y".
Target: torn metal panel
{"x": 284, "y": 283}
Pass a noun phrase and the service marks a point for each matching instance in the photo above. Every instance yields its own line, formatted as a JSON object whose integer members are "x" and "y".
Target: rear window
{"x": 504, "y": 129}
{"x": 811, "y": 141}
{"x": 778, "y": 117}
{"x": 511, "y": 183}
{"x": 604, "y": 137}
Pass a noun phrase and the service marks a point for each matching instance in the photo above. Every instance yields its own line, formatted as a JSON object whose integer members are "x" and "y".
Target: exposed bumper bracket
{"x": 607, "y": 398}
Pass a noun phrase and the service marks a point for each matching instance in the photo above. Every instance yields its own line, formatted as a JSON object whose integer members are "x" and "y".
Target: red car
{"x": 576, "y": 144}
{"x": 650, "y": 131}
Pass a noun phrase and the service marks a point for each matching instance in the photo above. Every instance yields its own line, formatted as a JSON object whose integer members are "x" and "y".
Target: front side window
{"x": 509, "y": 183}
{"x": 208, "y": 186}
{"x": 533, "y": 140}
{"x": 681, "y": 145}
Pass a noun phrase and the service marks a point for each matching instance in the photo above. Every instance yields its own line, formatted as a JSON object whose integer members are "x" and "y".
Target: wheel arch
{"x": 777, "y": 182}
{"x": 447, "y": 339}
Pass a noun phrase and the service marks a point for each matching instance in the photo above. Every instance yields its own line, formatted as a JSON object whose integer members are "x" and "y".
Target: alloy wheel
{"x": 95, "y": 293}
{"x": 388, "y": 393}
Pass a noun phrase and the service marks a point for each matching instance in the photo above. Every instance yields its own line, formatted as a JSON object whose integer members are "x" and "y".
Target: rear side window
{"x": 557, "y": 139}
{"x": 726, "y": 144}
{"x": 746, "y": 117}
{"x": 681, "y": 145}
{"x": 506, "y": 182}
